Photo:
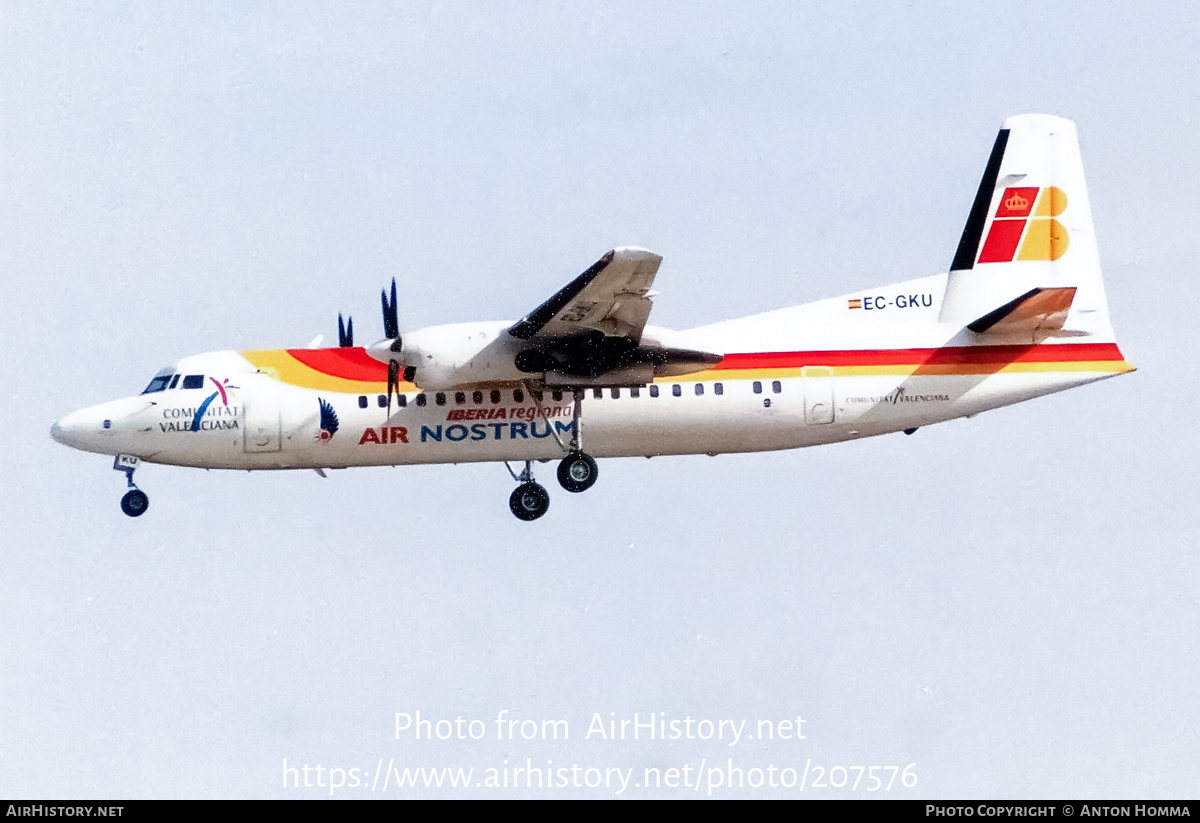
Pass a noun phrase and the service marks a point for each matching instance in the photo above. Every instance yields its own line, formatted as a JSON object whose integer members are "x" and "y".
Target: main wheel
{"x": 135, "y": 502}
{"x": 577, "y": 472}
{"x": 529, "y": 501}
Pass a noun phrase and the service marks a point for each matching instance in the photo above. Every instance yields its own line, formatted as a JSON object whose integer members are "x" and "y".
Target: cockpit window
{"x": 174, "y": 380}
{"x": 193, "y": 381}
{"x": 160, "y": 381}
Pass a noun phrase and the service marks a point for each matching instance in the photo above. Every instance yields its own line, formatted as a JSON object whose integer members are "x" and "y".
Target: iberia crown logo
{"x": 1022, "y": 231}
{"x": 1015, "y": 202}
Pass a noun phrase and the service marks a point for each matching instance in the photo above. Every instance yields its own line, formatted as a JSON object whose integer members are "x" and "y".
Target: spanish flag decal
{"x": 1024, "y": 227}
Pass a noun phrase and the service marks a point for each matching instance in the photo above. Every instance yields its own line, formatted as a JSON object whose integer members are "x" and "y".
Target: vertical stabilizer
{"x": 1030, "y": 228}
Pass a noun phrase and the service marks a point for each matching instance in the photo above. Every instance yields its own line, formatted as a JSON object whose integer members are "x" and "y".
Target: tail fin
{"x": 1030, "y": 232}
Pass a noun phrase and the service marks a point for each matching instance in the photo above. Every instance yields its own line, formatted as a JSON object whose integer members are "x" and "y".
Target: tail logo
{"x": 1015, "y": 202}
{"x": 1022, "y": 231}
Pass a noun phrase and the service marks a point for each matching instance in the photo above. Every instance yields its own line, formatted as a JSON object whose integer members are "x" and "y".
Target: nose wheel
{"x": 135, "y": 502}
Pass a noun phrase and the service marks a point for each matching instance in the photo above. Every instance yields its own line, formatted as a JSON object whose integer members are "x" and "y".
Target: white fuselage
{"x": 797, "y": 377}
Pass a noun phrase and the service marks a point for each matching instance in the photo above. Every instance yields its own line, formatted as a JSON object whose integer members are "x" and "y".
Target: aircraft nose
{"x": 87, "y": 429}
{"x": 105, "y": 429}
{"x": 73, "y": 429}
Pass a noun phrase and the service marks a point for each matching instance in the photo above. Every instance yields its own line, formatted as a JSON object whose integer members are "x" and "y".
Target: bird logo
{"x": 329, "y": 420}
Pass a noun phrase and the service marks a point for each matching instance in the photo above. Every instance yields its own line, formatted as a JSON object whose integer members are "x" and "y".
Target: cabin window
{"x": 597, "y": 393}
{"x": 421, "y": 401}
{"x": 718, "y": 389}
{"x": 616, "y": 394}
{"x": 556, "y": 394}
{"x": 776, "y": 386}
{"x": 653, "y": 390}
{"x": 362, "y": 401}
{"x": 477, "y": 398}
{"x": 495, "y": 396}
{"x": 380, "y": 401}
{"x": 518, "y": 396}
{"x": 460, "y": 397}
{"x": 159, "y": 382}
{"x": 440, "y": 398}
{"x": 174, "y": 382}
{"x": 757, "y": 387}
{"x": 635, "y": 392}
{"x": 193, "y": 381}
{"x": 403, "y": 398}
{"x": 676, "y": 390}
{"x": 699, "y": 389}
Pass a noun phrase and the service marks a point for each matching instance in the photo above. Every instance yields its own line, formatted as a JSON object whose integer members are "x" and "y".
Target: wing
{"x": 590, "y": 333}
{"x": 612, "y": 297}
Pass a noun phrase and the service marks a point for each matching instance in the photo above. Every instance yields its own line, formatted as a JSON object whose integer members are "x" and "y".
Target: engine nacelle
{"x": 444, "y": 357}
{"x": 438, "y": 358}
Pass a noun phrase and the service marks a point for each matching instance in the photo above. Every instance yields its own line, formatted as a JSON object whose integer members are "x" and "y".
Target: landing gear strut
{"x": 135, "y": 502}
{"x": 577, "y": 472}
{"x": 530, "y": 500}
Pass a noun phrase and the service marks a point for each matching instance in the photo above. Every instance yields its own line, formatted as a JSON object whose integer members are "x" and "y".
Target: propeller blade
{"x": 391, "y": 321}
{"x": 345, "y": 332}
{"x": 393, "y": 383}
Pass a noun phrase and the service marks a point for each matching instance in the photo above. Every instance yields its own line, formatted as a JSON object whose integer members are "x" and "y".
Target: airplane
{"x": 1021, "y": 313}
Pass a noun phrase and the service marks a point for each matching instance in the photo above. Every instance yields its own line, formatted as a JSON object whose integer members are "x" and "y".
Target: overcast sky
{"x": 1008, "y": 602}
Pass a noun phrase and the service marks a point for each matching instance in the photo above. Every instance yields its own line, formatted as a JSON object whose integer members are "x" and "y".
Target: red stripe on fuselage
{"x": 356, "y": 364}
{"x": 351, "y": 363}
{"x": 947, "y": 355}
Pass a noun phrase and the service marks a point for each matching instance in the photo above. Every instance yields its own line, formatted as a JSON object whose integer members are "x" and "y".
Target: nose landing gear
{"x": 135, "y": 502}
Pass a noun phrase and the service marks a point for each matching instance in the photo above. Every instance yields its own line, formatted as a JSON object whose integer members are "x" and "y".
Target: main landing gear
{"x": 135, "y": 502}
{"x": 577, "y": 472}
{"x": 530, "y": 500}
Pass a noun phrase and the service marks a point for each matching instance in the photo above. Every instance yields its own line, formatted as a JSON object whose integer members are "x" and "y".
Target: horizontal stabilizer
{"x": 1037, "y": 312}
